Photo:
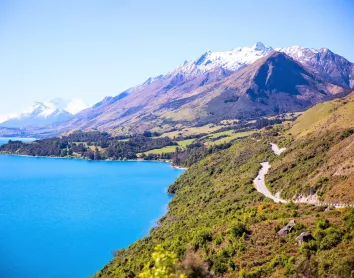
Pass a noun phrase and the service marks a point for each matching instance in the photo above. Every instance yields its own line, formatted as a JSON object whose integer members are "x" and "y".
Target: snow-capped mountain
{"x": 45, "y": 113}
{"x": 328, "y": 65}
{"x": 223, "y": 85}
{"x": 228, "y": 60}
{"x": 243, "y": 83}
{"x": 324, "y": 63}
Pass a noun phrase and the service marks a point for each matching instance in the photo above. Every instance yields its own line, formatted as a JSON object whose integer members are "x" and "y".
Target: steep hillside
{"x": 328, "y": 116}
{"x": 319, "y": 161}
{"x": 324, "y": 63}
{"x": 219, "y": 226}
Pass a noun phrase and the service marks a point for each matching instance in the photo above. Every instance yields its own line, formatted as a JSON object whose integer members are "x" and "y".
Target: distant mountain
{"x": 243, "y": 83}
{"x": 46, "y": 113}
{"x": 246, "y": 82}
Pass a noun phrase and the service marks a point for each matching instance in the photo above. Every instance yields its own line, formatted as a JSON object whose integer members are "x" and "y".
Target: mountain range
{"x": 244, "y": 83}
{"x": 46, "y": 113}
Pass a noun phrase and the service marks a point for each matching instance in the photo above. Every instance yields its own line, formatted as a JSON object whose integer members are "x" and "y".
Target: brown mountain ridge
{"x": 273, "y": 84}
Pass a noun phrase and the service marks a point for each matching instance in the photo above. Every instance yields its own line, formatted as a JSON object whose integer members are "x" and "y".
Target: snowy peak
{"x": 330, "y": 66}
{"x": 259, "y": 46}
{"x": 323, "y": 62}
{"x": 48, "y": 112}
{"x": 231, "y": 60}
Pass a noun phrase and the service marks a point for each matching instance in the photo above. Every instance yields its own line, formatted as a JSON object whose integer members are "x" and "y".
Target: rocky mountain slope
{"x": 46, "y": 113}
{"x": 219, "y": 86}
{"x": 324, "y": 63}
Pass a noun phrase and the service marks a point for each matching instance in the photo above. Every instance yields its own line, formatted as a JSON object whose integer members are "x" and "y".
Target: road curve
{"x": 276, "y": 149}
{"x": 261, "y": 186}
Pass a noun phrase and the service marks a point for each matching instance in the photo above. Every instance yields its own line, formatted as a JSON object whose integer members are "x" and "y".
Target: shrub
{"x": 332, "y": 238}
{"x": 164, "y": 265}
{"x": 218, "y": 239}
{"x": 349, "y": 219}
{"x": 238, "y": 230}
{"x": 201, "y": 238}
{"x": 308, "y": 248}
{"x": 322, "y": 223}
{"x": 218, "y": 264}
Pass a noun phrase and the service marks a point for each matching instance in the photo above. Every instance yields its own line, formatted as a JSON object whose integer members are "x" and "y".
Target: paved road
{"x": 261, "y": 186}
{"x": 276, "y": 149}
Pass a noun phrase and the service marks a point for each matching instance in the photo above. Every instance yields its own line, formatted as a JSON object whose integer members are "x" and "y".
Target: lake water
{"x": 64, "y": 217}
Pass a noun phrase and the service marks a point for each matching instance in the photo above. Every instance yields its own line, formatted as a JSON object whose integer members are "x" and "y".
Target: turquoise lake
{"x": 64, "y": 217}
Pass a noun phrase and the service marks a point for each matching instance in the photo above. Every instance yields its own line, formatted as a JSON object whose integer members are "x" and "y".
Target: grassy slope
{"x": 327, "y": 116}
{"x": 213, "y": 200}
{"x": 231, "y": 135}
{"x": 321, "y": 158}
{"x": 170, "y": 149}
{"x": 227, "y": 136}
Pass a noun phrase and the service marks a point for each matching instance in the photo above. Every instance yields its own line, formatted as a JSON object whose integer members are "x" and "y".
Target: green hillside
{"x": 320, "y": 160}
{"x": 218, "y": 225}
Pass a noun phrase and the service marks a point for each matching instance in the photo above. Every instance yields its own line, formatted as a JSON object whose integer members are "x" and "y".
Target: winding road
{"x": 261, "y": 187}
{"x": 276, "y": 149}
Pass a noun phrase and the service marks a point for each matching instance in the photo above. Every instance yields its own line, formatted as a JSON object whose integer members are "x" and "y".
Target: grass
{"x": 184, "y": 143}
{"x": 231, "y": 136}
{"x": 169, "y": 149}
{"x": 327, "y": 116}
{"x": 187, "y": 131}
{"x": 222, "y": 133}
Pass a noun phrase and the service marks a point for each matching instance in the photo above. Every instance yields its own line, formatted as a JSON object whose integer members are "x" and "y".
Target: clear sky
{"x": 96, "y": 48}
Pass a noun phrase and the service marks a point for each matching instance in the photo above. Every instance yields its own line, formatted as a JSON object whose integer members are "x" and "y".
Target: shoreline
{"x": 107, "y": 160}
{"x": 151, "y": 223}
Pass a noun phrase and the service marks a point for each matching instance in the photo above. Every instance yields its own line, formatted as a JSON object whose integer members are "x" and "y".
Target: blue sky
{"x": 95, "y": 48}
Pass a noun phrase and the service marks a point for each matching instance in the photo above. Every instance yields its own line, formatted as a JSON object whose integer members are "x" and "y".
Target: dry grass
{"x": 327, "y": 116}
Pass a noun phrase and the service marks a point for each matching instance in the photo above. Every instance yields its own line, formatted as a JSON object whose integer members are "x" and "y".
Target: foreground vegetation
{"x": 218, "y": 225}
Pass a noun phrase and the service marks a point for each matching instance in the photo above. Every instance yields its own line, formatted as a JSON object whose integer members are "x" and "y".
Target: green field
{"x": 184, "y": 143}
{"x": 232, "y": 136}
{"x": 222, "y": 133}
{"x": 170, "y": 149}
